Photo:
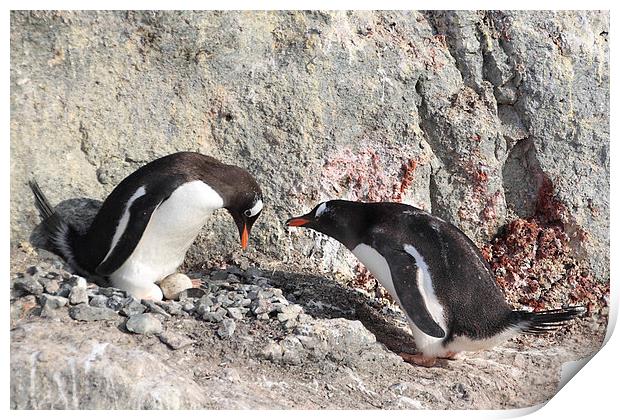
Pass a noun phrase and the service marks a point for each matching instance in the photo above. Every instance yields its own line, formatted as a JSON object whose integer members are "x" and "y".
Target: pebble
{"x": 291, "y": 350}
{"x": 233, "y": 269}
{"x": 399, "y": 388}
{"x": 289, "y": 312}
{"x": 272, "y": 351}
{"x": 261, "y": 306}
{"x": 189, "y": 307}
{"x": 29, "y": 285}
{"x": 227, "y": 328}
{"x": 144, "y": 324}
{"x": 232, "y": 278}
{"x": 251, "y": 272}
{"x": 153, "y": 307}
{"x": 219, "y": 275}
{"x": 278, "y": 307}
{"x": 115, "y": 303}
{"x": 133, "y": 307}
{"x": 174, "y": 340}
{"x": 83, "y": 312}
{"x": 216, "y": 316}
{"x": 174, "y": 284}
{"x": 223, "y": 300}
{"x": 98, "y": 301}
{"x": 460, "y": 390}
{"x": 78, "y": 295}
{"x": 192, "y": 293}
{"x": 64, "y": 289}
{"x": 206, "y": 301}
{"x": 51, "y": 286}
{"x": 263, "y": 282}
{"x": 77, "y": 281}
{"x": 51, "y": 303}
{"x": 107, "y": 291}
{"x": 92, "y": 290}
{"x": 231, "y": 375}
{"x": 172, "y": 307}
{"x": 235, "y": 313}
{"x": 32, "y": 270}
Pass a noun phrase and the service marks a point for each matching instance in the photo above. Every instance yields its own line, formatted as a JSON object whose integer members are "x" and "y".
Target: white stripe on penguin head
{"x": 256, "y": 208}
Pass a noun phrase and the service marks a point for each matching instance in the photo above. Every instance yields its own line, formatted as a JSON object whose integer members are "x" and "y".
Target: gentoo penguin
{"x": 146, "y": 225}
{"x": 434, "y": 272}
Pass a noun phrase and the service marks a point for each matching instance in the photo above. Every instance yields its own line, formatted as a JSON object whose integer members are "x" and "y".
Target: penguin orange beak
{"x": 245, "y": 236}
{"x": 297, "y": 221}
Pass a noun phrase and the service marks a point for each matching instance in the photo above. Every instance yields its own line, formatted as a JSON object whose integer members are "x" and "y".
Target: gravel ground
{"x": 264, "y": 339}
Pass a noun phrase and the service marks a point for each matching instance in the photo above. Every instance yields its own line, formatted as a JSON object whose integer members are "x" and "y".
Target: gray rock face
{"x": 91, "y": 374}
{"x": 471, "y": 115}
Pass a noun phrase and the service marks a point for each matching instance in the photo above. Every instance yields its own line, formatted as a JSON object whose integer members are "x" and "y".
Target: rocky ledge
{"x": 251, "y": 339}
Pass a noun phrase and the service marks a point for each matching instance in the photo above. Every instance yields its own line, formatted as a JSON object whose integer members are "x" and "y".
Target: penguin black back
{"x": 434, "y": 271}
{"x": 156, "y": 181}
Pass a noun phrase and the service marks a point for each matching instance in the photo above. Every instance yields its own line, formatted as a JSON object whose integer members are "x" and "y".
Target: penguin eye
{"x": 256, "y": 208}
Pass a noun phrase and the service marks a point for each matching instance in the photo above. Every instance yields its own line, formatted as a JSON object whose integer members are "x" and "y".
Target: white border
{"x": 591, "y": 394}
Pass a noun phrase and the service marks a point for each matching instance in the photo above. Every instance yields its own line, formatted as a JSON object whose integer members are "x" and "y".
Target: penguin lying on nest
{"x": 146, "y": 225}
{"x": 434, "y": 272}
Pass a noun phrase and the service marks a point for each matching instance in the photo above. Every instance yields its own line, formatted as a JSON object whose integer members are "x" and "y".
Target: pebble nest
{"x": 224, "y": 298}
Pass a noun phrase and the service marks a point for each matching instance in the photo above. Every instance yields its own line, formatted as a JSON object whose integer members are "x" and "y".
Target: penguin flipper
{"x": 140, "y": 214}
{"x": 404, "y": 272}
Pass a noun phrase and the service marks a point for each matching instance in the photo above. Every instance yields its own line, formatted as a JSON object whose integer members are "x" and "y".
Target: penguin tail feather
{"x": 545, "y": 321}
{"x": 59, "y": 233}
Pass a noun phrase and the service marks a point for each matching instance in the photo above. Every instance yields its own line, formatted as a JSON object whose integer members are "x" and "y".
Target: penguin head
{"x": 245, "y": 211}
{"x": 342, "y": 220}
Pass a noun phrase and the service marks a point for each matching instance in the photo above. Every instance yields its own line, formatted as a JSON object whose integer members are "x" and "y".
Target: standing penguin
{"x": 146, "y": 225}
{"x": 434, "y": 272}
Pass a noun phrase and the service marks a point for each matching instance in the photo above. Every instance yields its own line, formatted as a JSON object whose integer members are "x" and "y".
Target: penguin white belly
{"x": 463, "y": 343}
{"x": 170, "y": 232}
{"x": 378, "y": 266}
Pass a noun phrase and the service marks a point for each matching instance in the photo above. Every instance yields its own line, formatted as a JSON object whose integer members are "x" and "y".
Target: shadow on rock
{"x": 78, "y": 212}
{"x": 324, "y": 298}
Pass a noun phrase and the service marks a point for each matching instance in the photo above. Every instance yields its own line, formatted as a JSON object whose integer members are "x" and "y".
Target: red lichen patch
{"x": 360, "y": 173}
{"x": 548, "y": 208}
{"x": 407, "y": 179}
{"x": 532, "y": 264}
{"x": 489, "y": 212}
{"x": 364, "y": 177}
{"x": 364, "y": 280}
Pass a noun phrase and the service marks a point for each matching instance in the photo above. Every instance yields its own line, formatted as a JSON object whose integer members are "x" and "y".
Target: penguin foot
{"x": 196, "y": 283}
{"x": 451, "y": 355}
{"x": 419, "y": 359}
